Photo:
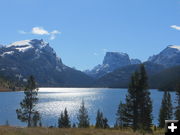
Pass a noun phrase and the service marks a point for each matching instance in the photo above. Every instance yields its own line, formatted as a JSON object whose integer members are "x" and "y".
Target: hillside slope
{"x": 36, "y": 57}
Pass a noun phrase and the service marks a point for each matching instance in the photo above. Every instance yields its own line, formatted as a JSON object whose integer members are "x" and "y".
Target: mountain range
{"x": 36, "y": 57}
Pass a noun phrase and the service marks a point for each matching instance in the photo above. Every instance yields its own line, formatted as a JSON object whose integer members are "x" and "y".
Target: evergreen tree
{"x": 61, "y": 120}
{"x": 101, "y": 122}
{"x": 83, "y": 118}
{"x": 165, "y": 110}
{"x": 121, "y": 116}
{"x": 177, "y": 109}
{"x": 64, "y": 120}
{"x": 132, "y": 102}
{"x": 137, "y": 112}
{"x": 27, "y": 112}
{"x": 145, "y": 103}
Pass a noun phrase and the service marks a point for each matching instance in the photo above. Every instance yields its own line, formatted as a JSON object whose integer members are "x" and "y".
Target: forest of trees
{"x": 135, "y": 112}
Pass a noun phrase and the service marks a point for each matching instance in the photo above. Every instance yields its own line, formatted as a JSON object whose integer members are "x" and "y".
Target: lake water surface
{"x": 53, "y": 100}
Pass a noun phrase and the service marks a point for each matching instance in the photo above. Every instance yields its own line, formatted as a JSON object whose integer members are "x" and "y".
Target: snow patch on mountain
{"x": 23, "y": 49}
{"x": 20, "y": 43}
{"x": 175, "y": 47}
{"x": 7, "y": 53}
{"x": 24, "y": 45}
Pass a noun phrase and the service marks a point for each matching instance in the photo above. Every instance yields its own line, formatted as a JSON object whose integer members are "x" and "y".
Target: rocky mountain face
{"x": 120, "y": 77}
{"x": 35, "y": 57}
{"x": 162, "y": 69}
{"x": 169, "y": 57}
{"x": 135, "y": 61}
{"x": 111, "y": 62}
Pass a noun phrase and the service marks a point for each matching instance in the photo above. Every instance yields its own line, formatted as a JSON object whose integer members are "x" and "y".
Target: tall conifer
{"x": 83, "y": 118}
{"x": 64, "y": 120}
{"x": 138, "y": 106}
{"x": 165, "y": 110}
{"x": 27, "y": 112}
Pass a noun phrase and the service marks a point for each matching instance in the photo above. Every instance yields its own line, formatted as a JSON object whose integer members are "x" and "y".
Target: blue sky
{"x": 81, "y": 31}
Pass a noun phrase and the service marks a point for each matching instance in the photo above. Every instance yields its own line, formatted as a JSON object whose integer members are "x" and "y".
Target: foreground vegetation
{"x": 69, "y": 131}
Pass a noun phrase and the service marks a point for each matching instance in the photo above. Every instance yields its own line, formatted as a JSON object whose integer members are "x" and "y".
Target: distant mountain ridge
{"x": 158, "y": 66}
{"x": 112, "y": 61}
{"x": 35, "y": 57}
{"x": 120, "y": 78}
{"x": 168, "y": 57}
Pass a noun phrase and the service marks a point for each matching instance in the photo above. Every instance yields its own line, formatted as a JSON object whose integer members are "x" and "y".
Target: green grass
{"x": 4, "y": 130}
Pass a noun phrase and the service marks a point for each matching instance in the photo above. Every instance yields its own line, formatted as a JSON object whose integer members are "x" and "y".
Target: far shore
{"x": 17, "y": 90}
{"x": 8, "y": 90}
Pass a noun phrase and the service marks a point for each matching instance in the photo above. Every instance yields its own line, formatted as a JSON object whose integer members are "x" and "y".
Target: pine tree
{"x": 67, "y": 119}
{"x": 83, "y": 118}
{"x": 121, "y": 116}
{"x": 27, "y": 112}
{"x": 145, "y": 103}
{"x": 101, "y": 121}
{"x": 165, "y": 110}
{"x": 61, "y": 120}
{"x": 177, "y": 109}
{"x": 137, "y": 112}
{"x": 132, "y": 102}
{"x": 64, "y": 120}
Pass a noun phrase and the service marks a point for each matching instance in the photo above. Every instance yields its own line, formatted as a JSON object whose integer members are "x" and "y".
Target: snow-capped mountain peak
{"x": 175, "y": 47}
{"x": 168, "y": 57}
{"x": 35, "y": 57}
{"x": 33, "y": 43}
{"x": 25, "y": 45}
{"x": 20, "y": 43}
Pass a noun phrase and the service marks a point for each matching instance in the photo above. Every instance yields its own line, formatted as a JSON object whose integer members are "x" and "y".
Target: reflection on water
{"x": 53, "y": 100}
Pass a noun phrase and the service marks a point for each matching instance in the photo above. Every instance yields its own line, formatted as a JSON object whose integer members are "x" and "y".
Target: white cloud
{"x": 175, "y": 27}
{"x": 42, "y": 31}
{"x": 39, "y": 31}
{"x": 55, "y": 32}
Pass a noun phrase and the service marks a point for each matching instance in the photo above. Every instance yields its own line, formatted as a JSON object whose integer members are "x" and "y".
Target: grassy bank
{"x": 72, "y": 131}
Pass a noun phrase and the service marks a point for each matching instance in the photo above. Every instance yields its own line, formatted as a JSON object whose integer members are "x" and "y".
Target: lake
{"x": 53, "y": 100}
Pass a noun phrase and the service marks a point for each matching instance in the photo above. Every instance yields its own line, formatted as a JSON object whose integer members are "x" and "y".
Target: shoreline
{"x": 8, "y": 90}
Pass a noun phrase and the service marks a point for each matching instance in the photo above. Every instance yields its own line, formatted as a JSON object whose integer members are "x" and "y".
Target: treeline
{"x": 168, "y": 79}
{"x": 6, "y": 84}
{"x": 135, "y": 112}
